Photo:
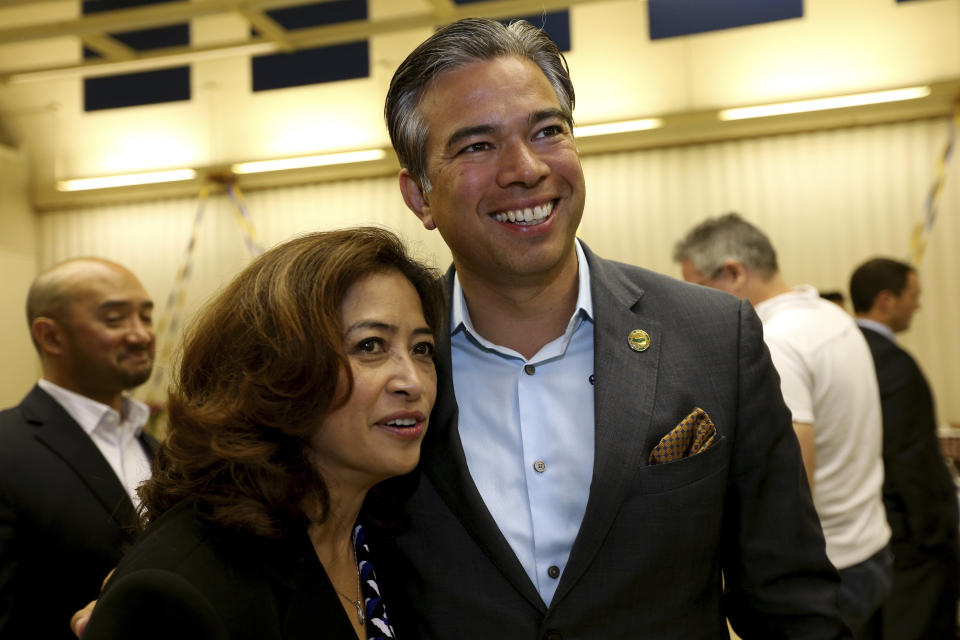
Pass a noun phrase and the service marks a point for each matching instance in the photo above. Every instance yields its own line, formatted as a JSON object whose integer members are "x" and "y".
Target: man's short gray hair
{"x": 728, "y": 237}
{"x": 452, "y": 46}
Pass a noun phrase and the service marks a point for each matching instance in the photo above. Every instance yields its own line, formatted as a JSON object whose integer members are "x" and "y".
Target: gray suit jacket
{"x": 657, "y": 543}
{"x": 65, "y": 519}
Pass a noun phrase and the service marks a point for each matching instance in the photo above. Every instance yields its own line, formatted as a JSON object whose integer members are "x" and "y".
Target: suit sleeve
{"x": 920, "y": 494}
{"x": 9, "y": 559}
{"x": 778, "y": 580}
{"x": 153, "y": 604}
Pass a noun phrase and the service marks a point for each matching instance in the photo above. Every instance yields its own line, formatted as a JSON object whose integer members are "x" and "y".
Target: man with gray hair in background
{"x": 828, "y": 382}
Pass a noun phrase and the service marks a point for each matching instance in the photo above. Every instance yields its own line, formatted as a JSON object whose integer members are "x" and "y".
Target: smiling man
{"x": 609, "y": 451}
{"x": 73, "y": 452}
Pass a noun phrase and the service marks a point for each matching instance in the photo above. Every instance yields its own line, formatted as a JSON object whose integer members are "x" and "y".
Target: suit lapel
{"x": 149, "y": 445}
{"x": 445, "y": 464}
{"x": 624, "y": 392}
{"x": 61, "y": 434}
{"x": 624, "y": 389}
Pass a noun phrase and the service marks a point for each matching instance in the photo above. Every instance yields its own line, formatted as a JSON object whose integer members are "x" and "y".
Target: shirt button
{"x": 539, "y": 466}
{"x": 554, "y": 572}
{"x": 529, "y": 369}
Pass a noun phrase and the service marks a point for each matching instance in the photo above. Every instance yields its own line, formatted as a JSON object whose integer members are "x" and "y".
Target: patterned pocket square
{"x": 694, "y": 434}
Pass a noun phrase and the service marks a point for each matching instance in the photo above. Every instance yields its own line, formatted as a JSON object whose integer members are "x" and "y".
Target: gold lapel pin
{"x": 639, "y": 340}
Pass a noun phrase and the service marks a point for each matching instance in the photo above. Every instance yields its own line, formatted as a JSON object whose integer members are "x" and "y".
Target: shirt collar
{"x": 882, "y": 329}
{"x": 460, "y": 315}
{"x": 89, "y": 413}
{"x": 766, "y": 309}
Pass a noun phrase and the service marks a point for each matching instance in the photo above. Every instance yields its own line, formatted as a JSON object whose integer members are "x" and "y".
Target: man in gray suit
{"x": 73, "y": 451}
{"x": 610, "y": 453}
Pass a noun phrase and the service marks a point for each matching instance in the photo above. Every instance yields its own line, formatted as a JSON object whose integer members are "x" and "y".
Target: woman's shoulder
{"x": 186, "y": 575}
{"x": 180, "y": 537}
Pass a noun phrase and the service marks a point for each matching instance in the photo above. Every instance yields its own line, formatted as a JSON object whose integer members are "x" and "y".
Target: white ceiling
{"x": 619, "y": 73}
{"x": 94, "y": 30}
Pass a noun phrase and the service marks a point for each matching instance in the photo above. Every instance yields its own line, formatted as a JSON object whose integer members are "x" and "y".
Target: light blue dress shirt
{"x": 527, "y": 430}
{"x": 882, "y": 329}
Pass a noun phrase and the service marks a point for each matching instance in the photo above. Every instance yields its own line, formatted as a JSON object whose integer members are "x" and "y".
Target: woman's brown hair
{"x": 259, "y": 371}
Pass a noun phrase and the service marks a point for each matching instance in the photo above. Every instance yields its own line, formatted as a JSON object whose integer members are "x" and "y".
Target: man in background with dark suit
{"x": 73, "y": 451}
{"x": 918, "y": 491}
{"x": 609, "y": 453}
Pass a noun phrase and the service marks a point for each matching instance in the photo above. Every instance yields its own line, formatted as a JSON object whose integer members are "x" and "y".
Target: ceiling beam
{"x": 692, "y": 127}
{"x": 268, "y": 28}
{"x": 144, "y": 17}
{"x": 298, "y": 39}
{"x": 13, "y": 3}
{"x": 110, "y": 48}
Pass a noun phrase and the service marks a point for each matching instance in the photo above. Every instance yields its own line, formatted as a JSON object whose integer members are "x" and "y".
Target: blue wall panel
{"x": 669, "y": 18}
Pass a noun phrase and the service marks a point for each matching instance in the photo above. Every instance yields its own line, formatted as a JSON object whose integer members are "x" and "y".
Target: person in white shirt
{"x": 828, "y": 382}
{"x": 73, "y": 452}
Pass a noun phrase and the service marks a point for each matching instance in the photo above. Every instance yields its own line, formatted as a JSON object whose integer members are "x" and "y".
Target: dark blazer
{"x": 65, "y": 519}
{"x": 214, "y": 584}
{"x": 656, "y": 542}
{"x": 918, "y": 491}
{"x": 921, "y": 502}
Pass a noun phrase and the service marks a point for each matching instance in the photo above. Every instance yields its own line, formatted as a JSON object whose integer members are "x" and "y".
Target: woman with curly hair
{"x": 303, "y": 388}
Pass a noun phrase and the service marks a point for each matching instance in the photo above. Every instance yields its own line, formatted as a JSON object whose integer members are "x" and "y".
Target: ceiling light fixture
{"x": 130, "y": 179}
{"x": 624, "y": 126}
{"x": 819, "y": 104}
{"x": 304, "y": 162}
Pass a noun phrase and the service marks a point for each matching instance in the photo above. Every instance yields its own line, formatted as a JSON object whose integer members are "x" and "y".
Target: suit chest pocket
{"x": 709, "y": 467}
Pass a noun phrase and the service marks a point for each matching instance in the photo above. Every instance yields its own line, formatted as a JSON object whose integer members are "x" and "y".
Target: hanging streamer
{"x": 921, "y": 232}
{"x": 169, "y": 324}
{"x": 170, "y": 320}
{"x": 244, "y": 219}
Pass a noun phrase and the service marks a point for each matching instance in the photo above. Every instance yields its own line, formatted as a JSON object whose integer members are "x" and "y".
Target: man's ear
{"x": 47, "y": 335}
{"x": 416, "y": 199}
{"x": 736, "y": 272}
{"x": 883, "y": 302}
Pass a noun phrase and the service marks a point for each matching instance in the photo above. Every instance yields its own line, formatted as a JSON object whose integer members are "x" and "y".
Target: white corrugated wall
{"x": 828, "y": 200}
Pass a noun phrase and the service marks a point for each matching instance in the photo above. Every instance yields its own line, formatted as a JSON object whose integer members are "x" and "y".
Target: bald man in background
{"x": 73, "y": 451}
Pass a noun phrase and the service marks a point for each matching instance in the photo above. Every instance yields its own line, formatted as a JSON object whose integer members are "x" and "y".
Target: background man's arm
{"x": 920, "y": 496}
{"x": 808, "y": 449}
{"x": 9, "y": 559}
{"x": 79, "y": 620}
